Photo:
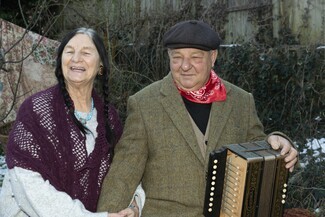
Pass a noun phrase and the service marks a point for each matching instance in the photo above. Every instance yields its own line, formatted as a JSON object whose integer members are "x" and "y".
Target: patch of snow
{"x": 3, "y": 169}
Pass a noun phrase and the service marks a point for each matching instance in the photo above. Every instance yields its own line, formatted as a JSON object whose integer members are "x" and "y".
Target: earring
{"x": 100, "y": 72}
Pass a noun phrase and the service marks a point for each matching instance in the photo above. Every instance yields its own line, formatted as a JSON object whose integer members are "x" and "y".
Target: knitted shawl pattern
{"x": 45, "y": 139}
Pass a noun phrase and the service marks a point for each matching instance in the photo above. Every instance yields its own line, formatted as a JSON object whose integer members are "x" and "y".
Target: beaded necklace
{"x": 89, "y": 115}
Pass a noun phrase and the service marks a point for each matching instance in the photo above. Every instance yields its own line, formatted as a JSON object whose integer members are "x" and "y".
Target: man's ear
{"x": 214, "y": 55}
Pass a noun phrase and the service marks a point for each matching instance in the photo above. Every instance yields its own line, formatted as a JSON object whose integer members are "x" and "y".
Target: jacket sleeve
{"x": 128, "y": 163}
{"x": 255, "y": 128}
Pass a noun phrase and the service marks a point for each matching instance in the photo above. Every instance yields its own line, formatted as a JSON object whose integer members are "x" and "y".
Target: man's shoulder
{"x": 152, "y": 89}
{"x": 230, "y": 87}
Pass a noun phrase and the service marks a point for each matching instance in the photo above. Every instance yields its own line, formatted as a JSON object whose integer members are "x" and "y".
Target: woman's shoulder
{"x": 39, "y": 99}
{"x": 48, "y": 93}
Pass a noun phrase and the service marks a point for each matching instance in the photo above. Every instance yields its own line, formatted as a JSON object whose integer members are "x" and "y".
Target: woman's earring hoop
{"x": 100, "y": 72}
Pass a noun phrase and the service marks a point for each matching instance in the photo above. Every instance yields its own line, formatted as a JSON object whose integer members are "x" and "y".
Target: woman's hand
{"x": 279, "y": 142}
{"x": 115, "y": 215}
{"x": 131, "y": 211}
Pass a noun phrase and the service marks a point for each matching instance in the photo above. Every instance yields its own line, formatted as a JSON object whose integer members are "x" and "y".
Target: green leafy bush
{"x": 287, "y": 82}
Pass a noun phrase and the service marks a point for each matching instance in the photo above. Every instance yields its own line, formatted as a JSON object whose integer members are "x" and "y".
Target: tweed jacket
{"x": 159, "y": 148}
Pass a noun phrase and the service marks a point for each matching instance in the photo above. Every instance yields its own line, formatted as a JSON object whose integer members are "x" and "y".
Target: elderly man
{"x": 173, "y": 125}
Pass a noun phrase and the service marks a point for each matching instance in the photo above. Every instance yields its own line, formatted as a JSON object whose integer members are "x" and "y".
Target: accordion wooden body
{"x": 246, "y": 180}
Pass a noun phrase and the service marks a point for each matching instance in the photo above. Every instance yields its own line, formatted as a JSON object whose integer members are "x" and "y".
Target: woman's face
{"x": 191, "y": 67}
{"x": 80, "y": 61}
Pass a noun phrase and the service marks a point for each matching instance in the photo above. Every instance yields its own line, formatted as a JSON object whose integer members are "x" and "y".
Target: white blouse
{"x": 25, "y": 193}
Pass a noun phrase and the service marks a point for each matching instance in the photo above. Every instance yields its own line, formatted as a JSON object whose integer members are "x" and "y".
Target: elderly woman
{"x": 61, "y": 145}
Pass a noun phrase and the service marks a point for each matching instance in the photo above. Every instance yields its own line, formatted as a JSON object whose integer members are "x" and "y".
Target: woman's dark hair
{"x": 97, "y": 40}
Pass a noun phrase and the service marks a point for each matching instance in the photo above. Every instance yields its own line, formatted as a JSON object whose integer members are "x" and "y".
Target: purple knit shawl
{"x": 45, "y": 139}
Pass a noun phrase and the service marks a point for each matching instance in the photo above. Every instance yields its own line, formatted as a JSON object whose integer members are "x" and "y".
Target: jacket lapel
{"x": 219, "y": 115}
{"x": 174, "y": 106}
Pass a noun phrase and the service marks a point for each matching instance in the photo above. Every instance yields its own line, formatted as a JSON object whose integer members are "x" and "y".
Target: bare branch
{"x": 35, "y": 47}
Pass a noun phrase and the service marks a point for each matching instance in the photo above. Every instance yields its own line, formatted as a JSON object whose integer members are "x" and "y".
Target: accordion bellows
{"x": 246, "y": 180}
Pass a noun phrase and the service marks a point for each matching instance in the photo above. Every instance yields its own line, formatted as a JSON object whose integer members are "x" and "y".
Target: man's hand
{"x": 279, "y": 142}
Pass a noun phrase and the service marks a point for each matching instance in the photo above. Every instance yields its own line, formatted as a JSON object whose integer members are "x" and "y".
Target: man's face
{"x": 191, "y": 67}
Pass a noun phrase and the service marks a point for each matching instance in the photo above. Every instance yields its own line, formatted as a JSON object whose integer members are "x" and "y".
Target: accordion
{"x": 246, "y": 180}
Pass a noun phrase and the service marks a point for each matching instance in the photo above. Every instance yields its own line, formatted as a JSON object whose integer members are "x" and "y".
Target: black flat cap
{"x": 192, "y": 34}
